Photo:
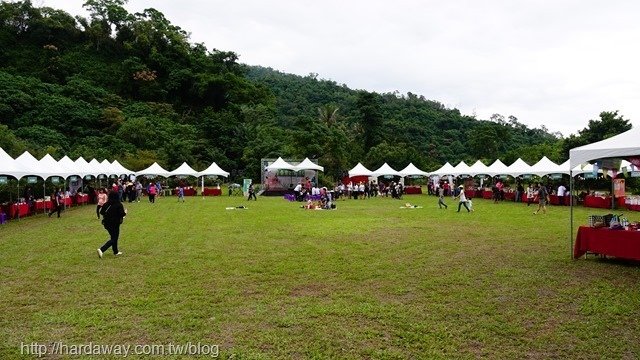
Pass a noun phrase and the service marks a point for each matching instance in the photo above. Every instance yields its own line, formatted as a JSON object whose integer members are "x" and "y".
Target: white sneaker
{"x": 119, "y": 253}
{"x": 100, "y": 253}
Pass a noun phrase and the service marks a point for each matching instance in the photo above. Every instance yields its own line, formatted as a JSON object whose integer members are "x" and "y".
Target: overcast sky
{"x": 555, "y": 63}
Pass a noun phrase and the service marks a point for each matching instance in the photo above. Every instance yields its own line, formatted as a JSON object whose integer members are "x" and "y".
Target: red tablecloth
{"x": 212, "y": 192}
{"x": 633, "y": 207}
{"x": 67, "y": 201}
{"x": 509, "y": 196}
{"x": 14, "y": 210}
{"x": 409, "y": 190}
{"x": 187, "y": 192}
{"x": 82, "y": 198}
{"x": 602, "y": 202}
{"x": 619, "y": 243}
{"x": 597, "y": 202}
{"x": 487, "y": 194}
{"x": 43, "y": 205}
{"x": 555, "y": 200}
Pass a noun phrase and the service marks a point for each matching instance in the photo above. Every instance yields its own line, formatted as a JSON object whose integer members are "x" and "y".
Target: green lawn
{"x": 369, "y": 280}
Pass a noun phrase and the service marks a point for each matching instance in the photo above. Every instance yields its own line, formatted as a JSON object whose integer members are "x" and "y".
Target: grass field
{"x": 369, "y": 280}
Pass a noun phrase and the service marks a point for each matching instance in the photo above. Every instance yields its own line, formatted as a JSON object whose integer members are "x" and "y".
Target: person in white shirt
{"x": 297, "y": 191}
{"x": 562, "y": 191}
{"x": 530, "y": 194}
{"x": 463, "y": 199}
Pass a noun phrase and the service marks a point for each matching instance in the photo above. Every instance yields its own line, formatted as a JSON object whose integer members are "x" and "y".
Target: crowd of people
{"x": 535, "y": 193}
{"x": 364, "y": 190}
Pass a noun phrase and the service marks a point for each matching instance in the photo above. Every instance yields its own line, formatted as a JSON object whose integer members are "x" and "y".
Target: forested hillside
{"x": 132, "y": 87}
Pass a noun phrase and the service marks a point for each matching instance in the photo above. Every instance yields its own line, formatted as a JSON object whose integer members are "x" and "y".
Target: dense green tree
{"x": 132, "y": 87}
{"x": 610, "y": 123}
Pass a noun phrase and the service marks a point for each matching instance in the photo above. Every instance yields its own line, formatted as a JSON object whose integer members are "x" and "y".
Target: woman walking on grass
{"x": 542, "y": 199}
{"x": 102, "y": 199}
{"x": 56, "y": 202}
{"x": 113, "y": 213}
{"x": 463, "y": 199}
{"x": 441, "y": 198}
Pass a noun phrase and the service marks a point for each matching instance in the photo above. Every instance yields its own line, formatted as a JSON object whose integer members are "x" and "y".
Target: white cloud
{"x": 557, "y": 63}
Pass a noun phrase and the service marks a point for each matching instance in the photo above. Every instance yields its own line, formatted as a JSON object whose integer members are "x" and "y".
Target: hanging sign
{"x": 32, "y": 179}
{"x": 102, "y": 177}
{"x": 589, "y": 175}
{"x": 635, "y": 174}
{"x": 555, "y": 176}
{"x": 3, "y": 180}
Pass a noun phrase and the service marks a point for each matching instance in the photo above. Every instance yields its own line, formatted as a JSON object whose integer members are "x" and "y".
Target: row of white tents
{"x": 306, "y": 164}
{"x": 27, "y": 165}
{"x": 543, "y": 167}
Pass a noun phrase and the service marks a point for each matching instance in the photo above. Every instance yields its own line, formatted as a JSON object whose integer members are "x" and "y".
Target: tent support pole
{"x": 571, "y": 213}
{"x": 613, "y": 194}
{"x": 18, "y": 201}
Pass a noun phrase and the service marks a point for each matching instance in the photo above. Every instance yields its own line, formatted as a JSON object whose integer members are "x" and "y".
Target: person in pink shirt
{"x": 102, "y": 198}
{"x": 152, "y": 191}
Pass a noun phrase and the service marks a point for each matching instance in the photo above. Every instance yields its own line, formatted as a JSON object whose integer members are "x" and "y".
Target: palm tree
{"x": 328, "y": 114}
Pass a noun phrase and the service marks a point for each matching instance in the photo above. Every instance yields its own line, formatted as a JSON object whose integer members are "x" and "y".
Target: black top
{"x": 542, "y": 192}
{"x": 112, "y": 212}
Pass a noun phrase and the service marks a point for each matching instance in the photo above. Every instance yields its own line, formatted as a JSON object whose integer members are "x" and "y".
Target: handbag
{"x": 596, "y": 220}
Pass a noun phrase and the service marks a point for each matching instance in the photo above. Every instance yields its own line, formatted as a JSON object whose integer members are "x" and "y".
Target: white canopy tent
{"x": 154, "y": 170}
{"x": 97, "y": 167}
{"x": 498, "y": 168}
{"x": 479, "y": 168}
{"x": 185, "y": 170}
{"x": 120, "y": 170}
{"x": 84, "y": 168}
{"x": 213, "y": 169}
{"x": 385, "y": 170}
{"x": 545, "y": 167}
{"x": 8, "y": 166}
{"x": 307, "y": 164}
{"x": 359, "y": 170}
{"x": 280, "y": 164}
{"x": 107, "y": 167}
{"x": 519, "y": 167}
{"x": 70, "y": 166}
{"x": 412, "y": 170}
{"x": 619, "y": 146}
{"x": 461, "y": 169}
{"x": 34, "y": 167}
{"x": 62, "y": 170}
{"x": 446, "y": 169}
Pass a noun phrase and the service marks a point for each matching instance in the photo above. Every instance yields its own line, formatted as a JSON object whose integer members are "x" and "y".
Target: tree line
{"x": 133, "y": 87}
